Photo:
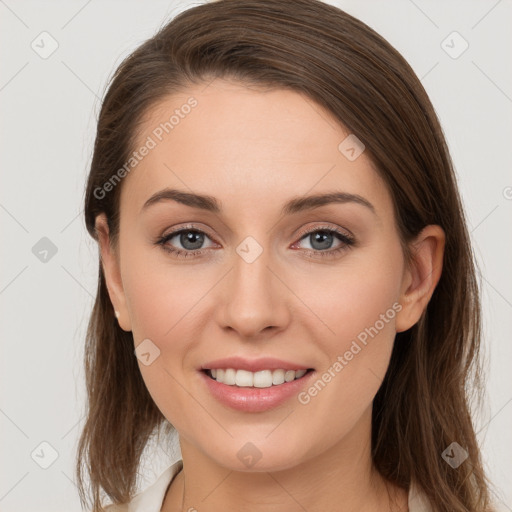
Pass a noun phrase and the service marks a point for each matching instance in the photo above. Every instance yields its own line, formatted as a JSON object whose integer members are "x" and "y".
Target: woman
{"x": 286, "y": 277}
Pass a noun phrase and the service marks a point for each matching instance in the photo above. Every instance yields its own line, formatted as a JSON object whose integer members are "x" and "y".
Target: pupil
{"x": 188, "y": 238}
{"x": 318, "y": 236}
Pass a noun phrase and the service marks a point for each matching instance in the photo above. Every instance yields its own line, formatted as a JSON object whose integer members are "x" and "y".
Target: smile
{"x": 257, "y": 391}
{"x": 260, "y": 379}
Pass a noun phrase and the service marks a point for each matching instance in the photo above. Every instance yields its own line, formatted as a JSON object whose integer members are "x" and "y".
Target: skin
{"x": 254, "y": 150}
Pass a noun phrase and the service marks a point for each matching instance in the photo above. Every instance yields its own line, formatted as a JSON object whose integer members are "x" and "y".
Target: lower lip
{"x": 250, "y": 399}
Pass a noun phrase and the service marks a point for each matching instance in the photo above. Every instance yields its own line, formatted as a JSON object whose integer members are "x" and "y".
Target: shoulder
{"x": 418, "y": 502}
{"x": 116, "y": 508}
{"x": 150, "y": 499}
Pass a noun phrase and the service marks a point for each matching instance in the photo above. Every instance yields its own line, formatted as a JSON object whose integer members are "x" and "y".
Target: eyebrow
{"x": 295, "y": 205}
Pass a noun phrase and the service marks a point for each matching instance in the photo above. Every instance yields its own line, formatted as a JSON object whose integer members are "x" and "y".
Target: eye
{"x": 190, "y": 239}
{"x": 321, "y": 239}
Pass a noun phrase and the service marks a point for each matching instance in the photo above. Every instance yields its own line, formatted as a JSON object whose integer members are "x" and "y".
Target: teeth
{"x": 261, "y": 379}
{"x": 230, "y": 377}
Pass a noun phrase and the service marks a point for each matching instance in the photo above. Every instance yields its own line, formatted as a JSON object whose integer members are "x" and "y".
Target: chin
{"x": 258, "y": 455}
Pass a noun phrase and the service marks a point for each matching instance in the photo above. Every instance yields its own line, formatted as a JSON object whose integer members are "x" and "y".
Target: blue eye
{"x": 192, "y": 240}
{"x": 321, "y": 239}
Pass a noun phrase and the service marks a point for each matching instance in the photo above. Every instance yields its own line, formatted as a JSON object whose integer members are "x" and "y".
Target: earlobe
{"x": 422, "y": 276}
{"x": 112, "y": 273}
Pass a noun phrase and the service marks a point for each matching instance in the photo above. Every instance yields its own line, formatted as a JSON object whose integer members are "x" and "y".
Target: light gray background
{"x": 49, "y": 108}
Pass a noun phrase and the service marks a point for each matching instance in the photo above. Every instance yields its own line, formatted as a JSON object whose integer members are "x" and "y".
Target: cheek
{"x": 161, "y": 298}
{"x": 366, "y": 305}
{"x": 163, "y": 303}
{"x": 355, "y": 295}
{"x": 359, "y": 304}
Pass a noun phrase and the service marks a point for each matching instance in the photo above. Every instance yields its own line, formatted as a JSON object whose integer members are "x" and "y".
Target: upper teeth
{"x": 261, "y": 379}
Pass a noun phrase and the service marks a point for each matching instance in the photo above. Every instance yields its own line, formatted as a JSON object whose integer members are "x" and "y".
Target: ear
{"x": 111, "y": 270}
{"x": 421, "y": 276}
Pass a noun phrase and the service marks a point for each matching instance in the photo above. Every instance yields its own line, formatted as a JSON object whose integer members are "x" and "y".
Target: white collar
{"x": 151, "y": 499}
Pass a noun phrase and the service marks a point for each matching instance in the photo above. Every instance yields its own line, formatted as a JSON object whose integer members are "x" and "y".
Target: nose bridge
{"x": 251, "y": 273}
{"x": 253, "y": 298}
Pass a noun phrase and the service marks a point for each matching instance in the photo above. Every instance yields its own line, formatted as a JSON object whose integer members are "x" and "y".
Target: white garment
{"x": 151, "y": 499}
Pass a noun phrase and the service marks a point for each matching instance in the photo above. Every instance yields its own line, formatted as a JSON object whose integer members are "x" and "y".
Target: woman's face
{"x": 263, "y": 272}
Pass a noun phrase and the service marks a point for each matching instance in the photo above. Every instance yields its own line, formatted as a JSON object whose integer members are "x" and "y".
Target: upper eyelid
{"x": 326, "y": 228}
{"x": 303, "y": 234}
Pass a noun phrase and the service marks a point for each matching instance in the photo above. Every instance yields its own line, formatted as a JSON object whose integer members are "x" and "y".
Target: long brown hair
{"x": 339, "y": 62}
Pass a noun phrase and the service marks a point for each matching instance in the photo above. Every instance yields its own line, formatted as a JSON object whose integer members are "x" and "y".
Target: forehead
{"x": 246, "y": 146}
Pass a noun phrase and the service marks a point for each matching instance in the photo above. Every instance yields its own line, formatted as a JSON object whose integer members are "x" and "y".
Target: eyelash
{"x": 347, "y": 240}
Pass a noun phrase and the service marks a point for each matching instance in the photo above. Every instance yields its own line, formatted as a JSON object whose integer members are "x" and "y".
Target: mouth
{"x": 257, "y": 391}
{"x": 239, "y": 378}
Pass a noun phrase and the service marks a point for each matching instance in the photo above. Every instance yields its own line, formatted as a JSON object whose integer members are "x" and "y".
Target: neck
{"x": 341, "y": 479}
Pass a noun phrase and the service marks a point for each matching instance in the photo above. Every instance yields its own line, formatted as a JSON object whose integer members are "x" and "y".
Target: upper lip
{"x": 253, "y": 365}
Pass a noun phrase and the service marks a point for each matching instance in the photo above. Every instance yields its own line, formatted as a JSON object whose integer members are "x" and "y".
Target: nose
{"x": 253, "y": 299}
